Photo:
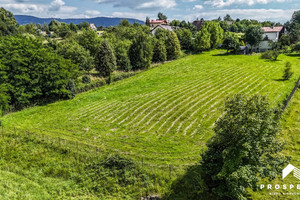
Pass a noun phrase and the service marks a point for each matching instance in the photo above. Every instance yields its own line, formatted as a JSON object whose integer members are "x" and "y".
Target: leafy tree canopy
{"x": 244, "y": 149}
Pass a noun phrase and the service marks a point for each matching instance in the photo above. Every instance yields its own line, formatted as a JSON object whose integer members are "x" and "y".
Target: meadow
{"x": 161, "y": 117}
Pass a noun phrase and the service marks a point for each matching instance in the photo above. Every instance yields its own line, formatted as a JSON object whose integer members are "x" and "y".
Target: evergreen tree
{"x": 105, "y": 60}
{"x": 244, "y": 149}
{"x": 140, "y": 52}
{"x": 172, "y": 46}
{"x": 159, "y": 51}
{"x": 202, "y": 40}
{"x": 147, "y": 23}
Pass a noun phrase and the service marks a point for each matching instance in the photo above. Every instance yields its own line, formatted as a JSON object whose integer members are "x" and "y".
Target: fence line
{"x": 286, "y": 102}
{"x": 81, "y": 151}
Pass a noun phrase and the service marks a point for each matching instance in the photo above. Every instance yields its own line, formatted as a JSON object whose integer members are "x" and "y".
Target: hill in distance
{"x": 98, "y": 21}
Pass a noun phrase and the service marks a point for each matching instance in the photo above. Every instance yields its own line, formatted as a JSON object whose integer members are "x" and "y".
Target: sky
{"x": 273, "y": 10}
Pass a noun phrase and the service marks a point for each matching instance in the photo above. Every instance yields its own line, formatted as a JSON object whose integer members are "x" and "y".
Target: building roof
{"x": 272, "y": 29}
{"x": 166, "y": 27}
{"x": 158, "y": 22}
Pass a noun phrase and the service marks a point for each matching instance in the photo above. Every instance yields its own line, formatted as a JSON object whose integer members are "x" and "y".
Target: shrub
{"x": 270, "y": 54}
{"x": 86, "y": 79}
{"x": 287, "y": 71}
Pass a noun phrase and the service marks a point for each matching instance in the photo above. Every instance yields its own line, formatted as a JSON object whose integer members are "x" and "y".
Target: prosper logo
{"x": 286, "y": 171}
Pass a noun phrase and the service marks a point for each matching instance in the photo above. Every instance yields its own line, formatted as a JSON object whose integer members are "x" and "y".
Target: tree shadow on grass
{"x": 279, "y": 79}
{"x": 293, "y": 55}
{"x": 189, "y": 186}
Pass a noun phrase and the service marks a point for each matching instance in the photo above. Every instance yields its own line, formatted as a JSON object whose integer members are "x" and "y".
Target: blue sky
{"x": 274, "y": 10}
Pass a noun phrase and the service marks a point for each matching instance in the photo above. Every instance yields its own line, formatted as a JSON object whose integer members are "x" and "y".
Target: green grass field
{"x": 164, "y": 115}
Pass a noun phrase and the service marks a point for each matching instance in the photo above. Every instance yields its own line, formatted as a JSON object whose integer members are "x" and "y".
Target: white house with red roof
{"x": 154, "y": 23}
{"x": 270, "y": 35}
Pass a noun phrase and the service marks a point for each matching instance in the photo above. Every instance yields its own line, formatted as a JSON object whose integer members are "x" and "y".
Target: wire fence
{"x": 288, "y": 99}
{"x": 83, "y": 151}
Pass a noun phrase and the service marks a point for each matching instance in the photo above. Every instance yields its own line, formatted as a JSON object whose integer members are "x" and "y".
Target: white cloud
{"x": 92, "y": 12}
{"x": 142, "y": 4}
{"x": 56, "y": 5}
{"x": 223, "y": 3}
{"x": 157, "y": 4}
{"x": 198, "y": 7}
{"x": 278, "y": 15}
{"x": 140, "y": 16}
{"x": 56, "y": 8}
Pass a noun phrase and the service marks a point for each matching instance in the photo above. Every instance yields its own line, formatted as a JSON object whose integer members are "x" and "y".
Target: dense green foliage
{"x": 244, "y": 149}
{"x": 216, "y": 33}
{"x": 185, "y": 37}
{"x": 33, "y": 73}
{"x": 159, "y": 51}
{"x": 253, "y": 35}
{"x": 202, "y": 41}
{"x": 271, "y": 55}
{"x": 287, "y": 71}
{"x": 172, "y": 46}
{"x": 140, "y": 52}
{"x": 8, "y": 23}
{"x": 79, "y": 55}
{"x": 231, "y": 42}
{"x": 105, "y": 60}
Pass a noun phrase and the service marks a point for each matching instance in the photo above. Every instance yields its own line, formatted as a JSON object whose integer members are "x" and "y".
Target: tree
{"x": 244, "y": 149}
{"x": 231, "y": 42}
{"x": 89, "y": 40}
{"x": 253, "y": 35}
{"x": 124, "y": 22}
{"x": 140, "y": 52}
{"x": 185, "y": 37}
{"x": 8, "y": 23}
{"x": 228, "y": 18}
{"x": 202, "y": 41}
{"x": 147, "y": 23}
{"x": 79, "y": 55}
{"x": 34, "y": 73}
{"x": 172, "y": 46}
{"x": 216, "y": 33}
{"x": 105, "y": 60}
{"x": 287, "y": 71}
{"x": 294, "y": 27}
{"x": 53, "y": 25}
{"x": 159, "y": 51}
{"x": 296, "y": 47}
{"x": 161, "y": 16}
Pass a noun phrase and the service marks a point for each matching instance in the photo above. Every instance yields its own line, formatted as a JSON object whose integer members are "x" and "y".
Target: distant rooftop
{"x": 272, "y": 29}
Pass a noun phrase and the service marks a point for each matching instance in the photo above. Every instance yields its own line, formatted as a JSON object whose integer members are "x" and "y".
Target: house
{"x": 154, "y": 23}
{"x": 198, "y": 23}
{"x": 165, "y": 27}
{"x": 270, "y": 35}
{"x": 93, "y": 27}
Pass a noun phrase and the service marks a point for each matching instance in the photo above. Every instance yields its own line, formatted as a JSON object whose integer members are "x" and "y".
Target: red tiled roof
{"x": 272, "y": 29}
{"x": 158, "y": 22}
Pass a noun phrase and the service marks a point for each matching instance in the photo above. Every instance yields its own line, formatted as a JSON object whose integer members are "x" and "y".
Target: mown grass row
{"x": 164, "y": 115}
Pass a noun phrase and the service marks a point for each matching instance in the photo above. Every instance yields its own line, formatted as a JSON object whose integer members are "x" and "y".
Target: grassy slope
{"x": 165, "y": 114}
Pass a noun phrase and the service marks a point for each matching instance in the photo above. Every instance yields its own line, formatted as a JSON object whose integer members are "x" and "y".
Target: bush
{"x": 270, "y": 54}
{"x": 86, "y": 79}
{"x": 287, "y": 71}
